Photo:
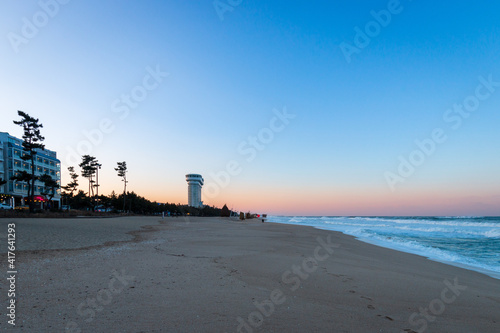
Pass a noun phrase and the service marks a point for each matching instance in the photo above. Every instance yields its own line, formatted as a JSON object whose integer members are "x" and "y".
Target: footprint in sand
{"x": 343, "y": 277}
{"x": 386, "y": 317}
{"x": 371, "y": 307}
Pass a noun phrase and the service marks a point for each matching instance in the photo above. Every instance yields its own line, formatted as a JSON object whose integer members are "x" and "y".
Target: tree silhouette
{"x": 122, "y": 172}
{"x": 72, "y": 186}
{"x": 22, "y": 176}
{"x": 89, "y": 167}
{"x": 31, "y": 143}
{"x": 225, "y": 211}
{"x": 50, "y": 186}
{"x": 2, "y": 182}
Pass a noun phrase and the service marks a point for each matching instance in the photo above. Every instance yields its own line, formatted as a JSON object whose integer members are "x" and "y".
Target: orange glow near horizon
{"x": 342, "y": 203}
{"x": 322, "y": 201}
{"x": 356, "y": 203}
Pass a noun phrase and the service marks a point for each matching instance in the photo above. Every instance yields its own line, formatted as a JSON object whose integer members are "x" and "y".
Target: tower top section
{"x": 195, "y": 178}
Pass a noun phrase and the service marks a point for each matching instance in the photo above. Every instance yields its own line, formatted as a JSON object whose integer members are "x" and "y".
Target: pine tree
{"x": 89, "y": 167}
{"x": 122, "y": 172}
{"x": 72, "y": 186}
{"x": 31, "y": 143}
{"x": 50, "y": 186}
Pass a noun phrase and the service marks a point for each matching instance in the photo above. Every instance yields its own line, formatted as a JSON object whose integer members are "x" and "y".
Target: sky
{"x": 285, "y": 107}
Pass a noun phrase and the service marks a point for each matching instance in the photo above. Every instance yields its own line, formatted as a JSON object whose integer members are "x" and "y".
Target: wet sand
{"x": 221, "y": 275}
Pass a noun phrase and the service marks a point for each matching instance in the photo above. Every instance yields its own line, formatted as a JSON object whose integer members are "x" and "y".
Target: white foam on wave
{"x": 470, "y": 229}
{"x": 492, "y": 233}
{"x": 433, "y": 253}
{"x": 442, "y": 222}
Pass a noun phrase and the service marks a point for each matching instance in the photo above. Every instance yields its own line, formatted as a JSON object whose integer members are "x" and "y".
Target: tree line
{"x": 73, "y": 197}
{"x": 126, "y": 202}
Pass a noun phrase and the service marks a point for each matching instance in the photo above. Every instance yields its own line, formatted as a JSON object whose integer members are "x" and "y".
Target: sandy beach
{"x": 145, "y": 274}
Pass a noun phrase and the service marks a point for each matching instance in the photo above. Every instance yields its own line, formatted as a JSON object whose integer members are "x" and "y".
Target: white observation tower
{"x": 195, "y": 182}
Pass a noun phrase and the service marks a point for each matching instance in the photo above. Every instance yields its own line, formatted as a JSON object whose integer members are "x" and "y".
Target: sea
{"x": 468, "y": 242}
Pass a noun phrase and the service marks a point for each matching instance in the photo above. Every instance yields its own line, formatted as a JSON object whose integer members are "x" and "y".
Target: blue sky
{"x": 353, "y": 120}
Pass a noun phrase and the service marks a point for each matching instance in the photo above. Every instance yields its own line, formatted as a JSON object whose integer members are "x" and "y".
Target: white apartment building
{"x": 46, "y": 162}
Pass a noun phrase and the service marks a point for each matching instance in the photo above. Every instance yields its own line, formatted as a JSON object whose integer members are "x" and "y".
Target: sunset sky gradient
{"x": 206, "y": 89}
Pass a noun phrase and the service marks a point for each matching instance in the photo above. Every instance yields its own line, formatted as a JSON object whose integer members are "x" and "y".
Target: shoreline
{"x": 486, "y": 272}
{"x": 471, "y": 268}
{"x": 395, "y": 247}
{"x": 214, "y": 274}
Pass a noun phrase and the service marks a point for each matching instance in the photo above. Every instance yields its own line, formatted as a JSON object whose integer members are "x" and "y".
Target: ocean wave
{"x": 425, "y": 221}
{"x": 431, "y": 252}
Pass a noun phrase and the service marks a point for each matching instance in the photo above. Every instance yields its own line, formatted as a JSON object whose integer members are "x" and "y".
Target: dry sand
{"x": 221, "y": 275}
